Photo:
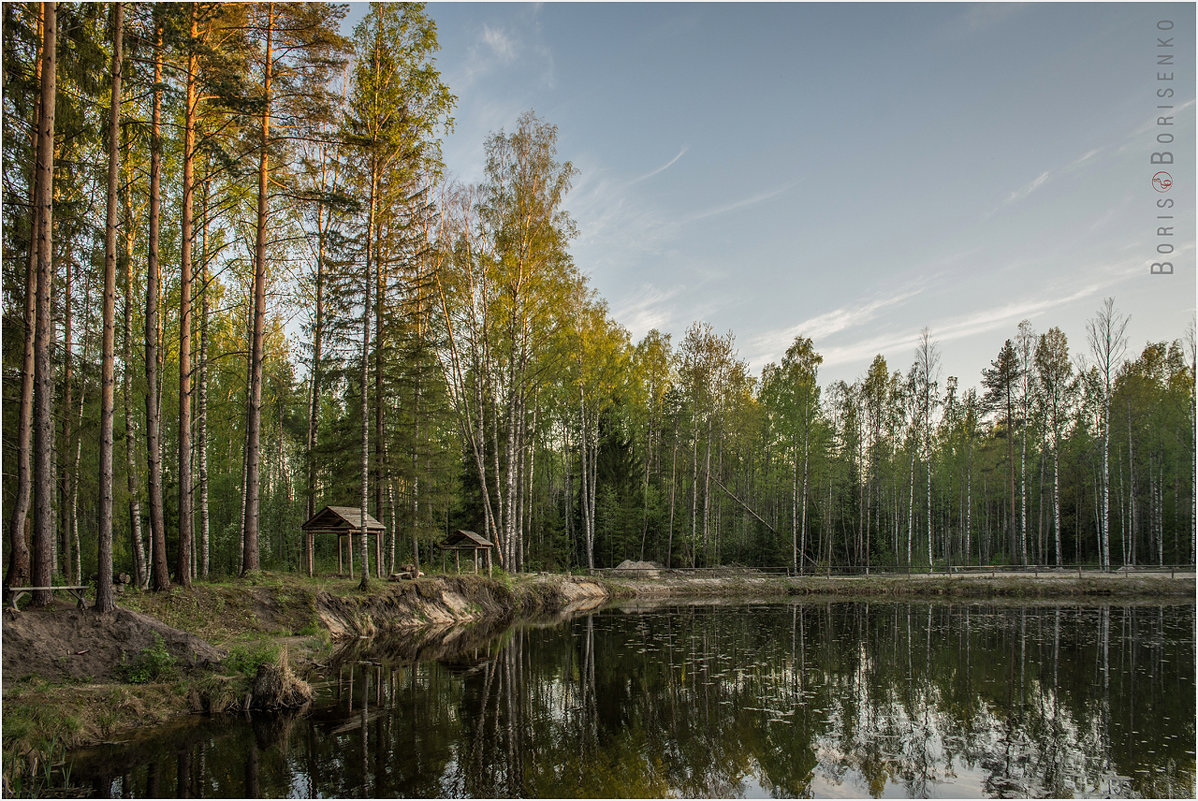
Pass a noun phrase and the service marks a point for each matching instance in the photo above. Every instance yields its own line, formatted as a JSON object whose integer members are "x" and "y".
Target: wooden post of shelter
{"x": 344, "y": 522}
{"x": 460, "y": 541}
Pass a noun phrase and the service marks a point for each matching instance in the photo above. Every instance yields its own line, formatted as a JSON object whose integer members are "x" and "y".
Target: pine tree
{"x": 43, "y": 431}
{"x": 999, "y": 380}
{"x": 104, "y": 594}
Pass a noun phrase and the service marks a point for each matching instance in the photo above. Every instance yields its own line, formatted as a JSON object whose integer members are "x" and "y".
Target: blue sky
{"x": 851, "y": 172}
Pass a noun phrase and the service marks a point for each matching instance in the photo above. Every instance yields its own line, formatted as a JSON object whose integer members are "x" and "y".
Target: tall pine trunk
{"x": 43, "y": 431}
{"x": 250, "y": 559}
{"x": 160, "y": 578}
{"x": 18, "y": 542}
{"x": 183, "y": 567}
{"x": 104, "y": 595}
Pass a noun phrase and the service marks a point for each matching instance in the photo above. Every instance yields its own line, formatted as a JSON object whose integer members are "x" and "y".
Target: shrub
{"x": 245, "y": 659}
{"x": 153, "y": 664}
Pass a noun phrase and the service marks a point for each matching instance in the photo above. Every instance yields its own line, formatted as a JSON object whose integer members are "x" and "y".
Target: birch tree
{"x": 1105, "y": 333}
{"x": 927, "y": 372}
{"x": 521, "y": 209}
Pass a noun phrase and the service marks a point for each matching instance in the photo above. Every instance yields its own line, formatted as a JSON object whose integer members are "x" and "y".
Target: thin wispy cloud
{"x": 772, "y": 344}
{"x": 614, "y": 224}
{"x": 1025, "y": 190}
{"x": 652, "y": 308}
{"x": 982, "y": 320}
{"x": 740, "y": 204}
{"x": 1037, "y": 183}
{"x": 499, "y": 43}
{"x": 660, "y": 169}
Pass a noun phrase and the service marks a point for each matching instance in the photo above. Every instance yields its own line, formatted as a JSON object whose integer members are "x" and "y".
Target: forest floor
{"x": 73, "y": 677}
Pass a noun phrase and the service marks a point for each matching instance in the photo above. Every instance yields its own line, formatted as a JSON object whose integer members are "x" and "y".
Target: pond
{"x": 827, "y": 699}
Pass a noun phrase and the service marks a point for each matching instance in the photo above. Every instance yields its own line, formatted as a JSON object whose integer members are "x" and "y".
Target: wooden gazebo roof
{"x": 464, "y": 540}
{"x": 342, "y": 520}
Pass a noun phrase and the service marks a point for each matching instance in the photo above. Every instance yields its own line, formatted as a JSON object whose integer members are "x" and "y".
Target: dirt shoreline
{"x": 66, "y": 674}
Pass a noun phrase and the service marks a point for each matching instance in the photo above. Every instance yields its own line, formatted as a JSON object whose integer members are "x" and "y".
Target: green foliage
{"x": 313, "y": 629}
{"x": 153, "y": 664}
{"x": 501, "y": 387}
{"x": 244, "y": 659}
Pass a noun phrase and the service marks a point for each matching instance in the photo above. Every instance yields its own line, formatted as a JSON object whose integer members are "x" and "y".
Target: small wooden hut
{"x": 345, "y": 522}
{"x": 460, "y": 541}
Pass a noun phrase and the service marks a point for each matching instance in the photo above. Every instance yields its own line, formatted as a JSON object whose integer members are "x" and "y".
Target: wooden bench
{"x": 15, "y": 593}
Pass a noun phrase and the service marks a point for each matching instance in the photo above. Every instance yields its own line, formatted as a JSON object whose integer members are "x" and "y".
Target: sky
{"x": 853, "y": 172}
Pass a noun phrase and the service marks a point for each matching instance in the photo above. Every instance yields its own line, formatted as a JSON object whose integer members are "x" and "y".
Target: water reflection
{"x": 780, "y": 700}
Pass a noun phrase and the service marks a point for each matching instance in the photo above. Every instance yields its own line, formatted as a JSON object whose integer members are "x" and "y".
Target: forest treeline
{"x": 238, "y": 286}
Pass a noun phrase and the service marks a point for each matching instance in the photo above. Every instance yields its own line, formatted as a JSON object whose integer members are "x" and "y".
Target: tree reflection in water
{"x": 797, "y": 700}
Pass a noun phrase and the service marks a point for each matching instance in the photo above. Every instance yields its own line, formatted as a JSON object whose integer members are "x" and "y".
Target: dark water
{"x": 806, "y": 699}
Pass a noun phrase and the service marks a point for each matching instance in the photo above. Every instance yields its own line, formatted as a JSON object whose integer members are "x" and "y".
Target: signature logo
{"x": 1162, "y": 181}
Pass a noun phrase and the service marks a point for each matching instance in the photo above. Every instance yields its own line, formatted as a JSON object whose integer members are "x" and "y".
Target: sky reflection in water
{"x": 844, "y": 699}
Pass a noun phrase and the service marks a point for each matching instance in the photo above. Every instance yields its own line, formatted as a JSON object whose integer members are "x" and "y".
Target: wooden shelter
{"x": 460, "y": 541}
{"x": 346, "y": 521}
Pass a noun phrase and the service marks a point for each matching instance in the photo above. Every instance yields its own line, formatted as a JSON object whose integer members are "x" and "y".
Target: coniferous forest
{"x": 240, "y": 285}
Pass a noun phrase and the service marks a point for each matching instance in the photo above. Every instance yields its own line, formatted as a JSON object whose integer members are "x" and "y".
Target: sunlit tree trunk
{"x": 184, "y": 556}
{"x": 160, "y": 578}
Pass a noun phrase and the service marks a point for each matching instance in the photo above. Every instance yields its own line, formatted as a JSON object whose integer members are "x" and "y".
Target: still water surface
{"x": 844, "y": 699}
